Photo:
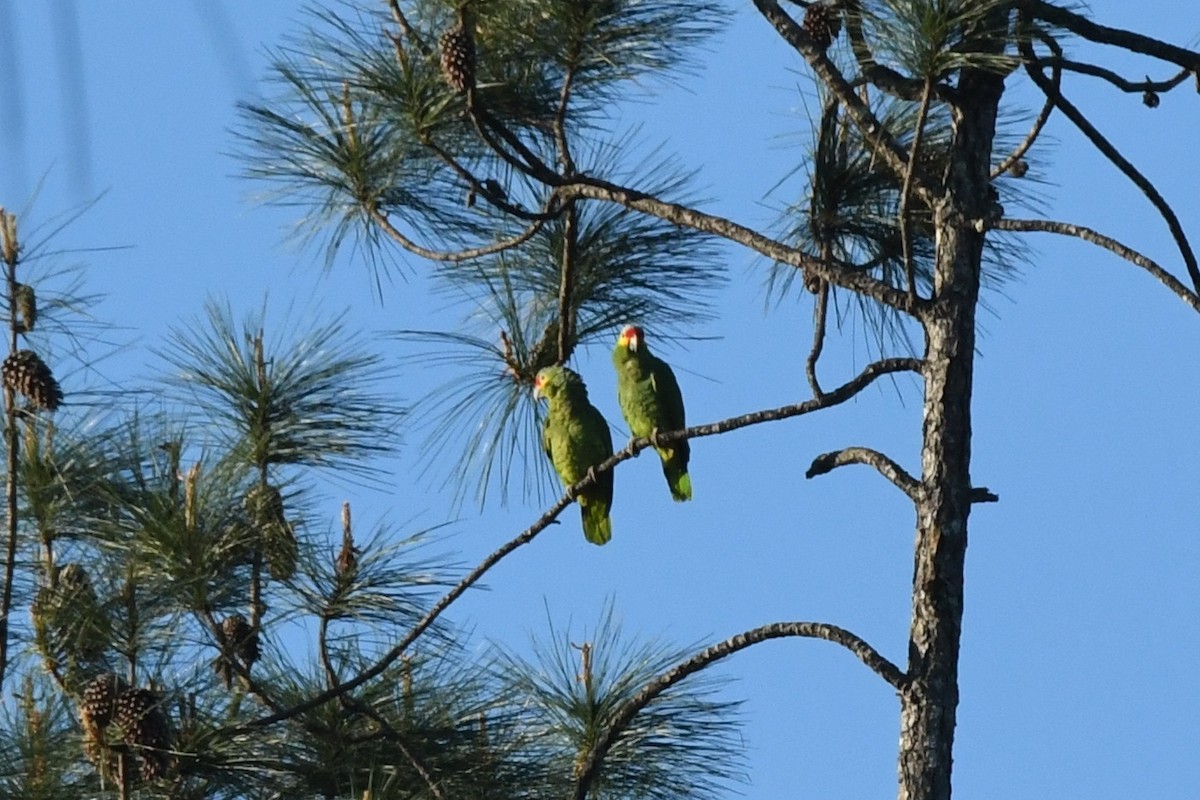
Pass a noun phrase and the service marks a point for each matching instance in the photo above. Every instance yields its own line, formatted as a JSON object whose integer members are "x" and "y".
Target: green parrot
{"x": 651, "y": 402}
{"x": 576, "y": 438}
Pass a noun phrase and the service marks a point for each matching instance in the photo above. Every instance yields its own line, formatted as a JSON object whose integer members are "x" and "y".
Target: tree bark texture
{"x": 930, "y": 699}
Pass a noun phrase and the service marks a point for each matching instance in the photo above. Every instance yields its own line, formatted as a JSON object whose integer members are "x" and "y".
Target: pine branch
{"x": 684, "y": 216}
{"x": 839, "y": 395}
{"x": 873, "y": 131}
{"x": 1109, "y": 244}
{"x": 827, "y": 462}
{"x": 886, "y": 78}
{"x": 590, "y": 767}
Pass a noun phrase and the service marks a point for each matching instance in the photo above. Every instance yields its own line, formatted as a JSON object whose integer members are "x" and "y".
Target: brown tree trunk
{"x": 929, "y": 703}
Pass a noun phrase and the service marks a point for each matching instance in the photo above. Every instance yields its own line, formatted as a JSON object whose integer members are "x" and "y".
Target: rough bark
{"x": 930, "y": 700}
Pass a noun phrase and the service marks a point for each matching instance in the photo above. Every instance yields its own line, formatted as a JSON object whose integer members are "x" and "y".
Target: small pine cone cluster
{"x": 143, "y": 725}
{"x": 458, "y": 57}
{"x": 823, "y": 22}
{"x": 235, "y": 634}
{"x": 25, "y": 373}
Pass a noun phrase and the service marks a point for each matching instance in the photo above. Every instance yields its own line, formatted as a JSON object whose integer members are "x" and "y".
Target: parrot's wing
{"x": 604, "y": 439}
{"x": 670, "y": 398}
{"x": 546, "y": 440}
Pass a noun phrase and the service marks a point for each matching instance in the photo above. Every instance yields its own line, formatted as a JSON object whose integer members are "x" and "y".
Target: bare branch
{"x": 1112, "y": 154}
{"x": 840, "y": 395}
{"x": 1102, "y": 34}
{"x": 981, "y": 494}
{"x": 1125, "y": 85}
{"x": 1108, "y": 243}
{"x": 827, "y": 462}
{"x": 448, "y": 255}
{"x": 590, "y": 767}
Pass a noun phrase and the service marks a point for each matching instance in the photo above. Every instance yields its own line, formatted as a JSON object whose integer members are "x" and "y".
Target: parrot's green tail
{"x": 597, "y": 525}
{"x": 679, "y": 481}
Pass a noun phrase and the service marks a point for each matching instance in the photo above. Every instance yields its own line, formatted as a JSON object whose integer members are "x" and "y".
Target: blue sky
{"x": 1080, "y": 634}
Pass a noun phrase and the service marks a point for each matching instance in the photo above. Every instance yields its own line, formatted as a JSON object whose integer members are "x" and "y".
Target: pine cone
{"x": 458, "y": 57}
{"x": 25, "y": 373}
{"x": 823, "y": 22}
{"x": 138, "y": 713}
{"x": 99, "y": 699}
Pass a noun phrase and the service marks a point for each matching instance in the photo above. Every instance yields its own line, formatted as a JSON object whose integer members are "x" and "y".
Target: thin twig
{"x": 386, "y": 226}
{"x": 827, "y": 462}
{"x": 1109, "y": 244}
{"x": 560, "y": 119}
{"x": 590, "y": 767}
{"x": 478, "y": 187}
{"x": 395, "y": 737}
{"x": 839, "y": 395}
{"x": 407, "y": 29}
{"x": 566, "y": 282}
{"x": 1112, "y": 154}
{"x": 1035, "y": 130}
{"x": 1125, "y": 85}
{"x": 910, "y": 273}
{"x": 10, "y": 248}
{"x": 819, "y": 315}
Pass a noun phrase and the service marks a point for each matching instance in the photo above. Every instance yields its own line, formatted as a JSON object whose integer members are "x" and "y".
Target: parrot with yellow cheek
{"x": 651, "y": 402}
{"x": 576, "y": 439}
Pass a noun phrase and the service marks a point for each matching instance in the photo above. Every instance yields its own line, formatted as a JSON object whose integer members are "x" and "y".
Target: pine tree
{"x": 185, "y": 619}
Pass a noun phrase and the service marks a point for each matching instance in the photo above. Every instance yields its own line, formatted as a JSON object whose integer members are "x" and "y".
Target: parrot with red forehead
{"x": 651, "y": 402}
{"x": 576, "y": 439}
